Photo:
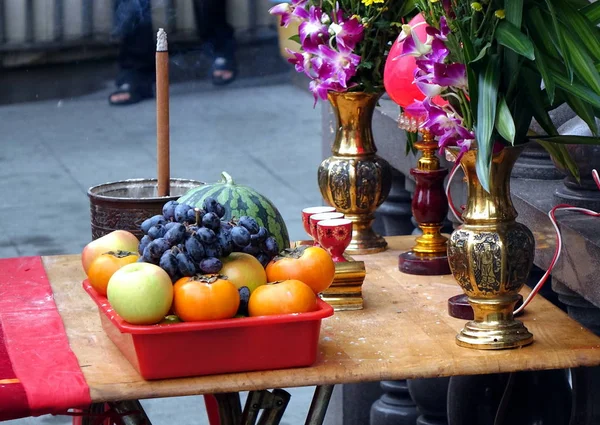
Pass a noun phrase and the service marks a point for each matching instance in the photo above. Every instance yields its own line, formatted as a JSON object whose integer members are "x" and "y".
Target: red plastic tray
{"x": 217, "y": 346}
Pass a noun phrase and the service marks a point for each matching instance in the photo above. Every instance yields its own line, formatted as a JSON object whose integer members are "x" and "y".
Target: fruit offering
{"x": 104, "y": 266}
{"x": 239, "y": 201}
{"x": 309, "y": 264}
{"x": 186, "y": 240}
{"x": 141, "y": 293}
{"x": 285, "y": 297}
{"x": 118, "y": 240}
{"x": 206, "y": 297}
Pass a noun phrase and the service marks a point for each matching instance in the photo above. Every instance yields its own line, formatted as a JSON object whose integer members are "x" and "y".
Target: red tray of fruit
{"x": 216, "y": 346}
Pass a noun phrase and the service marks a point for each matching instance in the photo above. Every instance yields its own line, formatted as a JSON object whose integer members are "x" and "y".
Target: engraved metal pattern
{"x": 457, "y": 258}
{"x": 486, "y": 258}
{"x": 520, "y": 248}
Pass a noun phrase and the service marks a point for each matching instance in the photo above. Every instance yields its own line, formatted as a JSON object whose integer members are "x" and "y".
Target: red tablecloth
{"x": 39, "y": 373}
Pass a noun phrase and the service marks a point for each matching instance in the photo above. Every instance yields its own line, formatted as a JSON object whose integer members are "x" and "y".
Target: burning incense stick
{"x": 162, "y": 113}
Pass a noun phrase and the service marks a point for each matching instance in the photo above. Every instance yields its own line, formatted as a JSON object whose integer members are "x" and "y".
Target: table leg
{"x": 319, "y": 404}
{"x": 230, "y": 408}
{"x": 124, "y": 407}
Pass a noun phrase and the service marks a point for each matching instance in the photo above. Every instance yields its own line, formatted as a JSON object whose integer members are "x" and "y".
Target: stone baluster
{"x": 393, "y": 217}
{"x": 395, "y": 406}
{"x": 430, "y": 396}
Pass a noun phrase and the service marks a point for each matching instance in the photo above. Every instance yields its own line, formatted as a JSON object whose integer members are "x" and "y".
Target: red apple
{"x": 141, "y": 293}
{"x": 118, "y": 240}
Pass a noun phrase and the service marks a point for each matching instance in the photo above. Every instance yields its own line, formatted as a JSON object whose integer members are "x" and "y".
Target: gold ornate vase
{"x": 490, "y": 256}
{"x": 355, "y": 180}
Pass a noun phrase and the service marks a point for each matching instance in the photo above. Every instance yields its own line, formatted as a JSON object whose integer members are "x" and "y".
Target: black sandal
{"x": 136, "y": 94}
{"x": 223, "y": 64}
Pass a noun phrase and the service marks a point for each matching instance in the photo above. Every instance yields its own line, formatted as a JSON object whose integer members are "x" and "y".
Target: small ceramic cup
{"x": 315, "y": 218}
{"x": 307, "y": 212}
{"x": 335, "y": 235}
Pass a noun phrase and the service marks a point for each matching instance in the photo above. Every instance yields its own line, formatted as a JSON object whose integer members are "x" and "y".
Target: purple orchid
{"x": 453, "y": 74}
{"x": 447, "y": 127}
{"x": 348, "y": 33}
{"x": 301, "y": 61}
{"x": 416, "y": 109}
{"x": 312, "y": 31}
{"x": 290, "y": 12}
{"x": 342, "y": 61}
{"x": 412, "y": 46}
{"x": 322, "y": 75}
{"x": 442, "y": 33}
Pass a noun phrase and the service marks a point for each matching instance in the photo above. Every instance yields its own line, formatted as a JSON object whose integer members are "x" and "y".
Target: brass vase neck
{"x": 496, "y": 205}
{"x": 354, "y": 112}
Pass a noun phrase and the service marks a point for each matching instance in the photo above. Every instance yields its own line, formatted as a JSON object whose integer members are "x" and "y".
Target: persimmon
{"x": 105, "y": 265}
{"x": 309, "y": 264}
{"x": 285, "y": 297}
{"x": 205, "y": 297}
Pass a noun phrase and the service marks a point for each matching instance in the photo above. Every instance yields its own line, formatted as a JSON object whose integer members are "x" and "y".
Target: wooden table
{"x": 403, "y": 332}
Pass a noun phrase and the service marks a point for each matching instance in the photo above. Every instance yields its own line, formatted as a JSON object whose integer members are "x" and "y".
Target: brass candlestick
{"x": 429, "y": 207}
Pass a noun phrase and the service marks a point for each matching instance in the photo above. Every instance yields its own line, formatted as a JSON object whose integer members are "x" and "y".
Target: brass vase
{"x": 355, "y": 180}
{"x": 490, "y": 256}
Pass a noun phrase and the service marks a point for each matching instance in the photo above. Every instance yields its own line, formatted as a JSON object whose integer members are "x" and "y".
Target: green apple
{"x": 141, "y": 293}
{"x": 243, "y": 270}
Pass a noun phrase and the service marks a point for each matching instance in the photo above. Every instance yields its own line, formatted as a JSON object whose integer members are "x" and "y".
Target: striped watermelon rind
{"x": 240, "y": 200}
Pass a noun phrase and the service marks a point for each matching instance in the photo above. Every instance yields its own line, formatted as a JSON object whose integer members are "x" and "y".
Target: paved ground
{"x": 261, "y": 129}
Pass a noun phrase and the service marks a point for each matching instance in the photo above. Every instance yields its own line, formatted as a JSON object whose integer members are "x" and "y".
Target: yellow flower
{"x": 370, "y": 2}
{"x": 476, "y": 6}
{"x": 499, "y": 14}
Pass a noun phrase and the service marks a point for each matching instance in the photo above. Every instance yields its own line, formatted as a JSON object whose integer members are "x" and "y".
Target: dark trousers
{"x": 138, "y": 41}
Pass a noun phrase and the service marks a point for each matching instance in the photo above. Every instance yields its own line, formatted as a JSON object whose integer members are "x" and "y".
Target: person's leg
{"x": 136, "y": 51}
{"x": 218, "y": 37}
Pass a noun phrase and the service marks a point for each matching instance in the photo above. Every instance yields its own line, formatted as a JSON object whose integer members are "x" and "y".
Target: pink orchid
{"x": 452, "y": 75}
{"x": 290, "y": 12}
{"x": 342, "y": 61}
{"x": 312, "y": 31}
{"x": 348, "y": 33}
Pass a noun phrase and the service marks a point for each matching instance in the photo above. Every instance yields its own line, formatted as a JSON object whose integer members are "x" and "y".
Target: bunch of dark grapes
{"x": 247, "y": 236}
{"x": 185, "y": 241}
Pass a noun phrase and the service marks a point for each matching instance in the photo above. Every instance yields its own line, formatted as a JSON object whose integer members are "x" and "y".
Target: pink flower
{"x": 450, "y": 75}
{"x": 301, "y": 61}
{"x": 290, "y": 12}
{"x": 313, "y": 32}
{"x": 343, "y": 62}
{"x": 348, "y": 33}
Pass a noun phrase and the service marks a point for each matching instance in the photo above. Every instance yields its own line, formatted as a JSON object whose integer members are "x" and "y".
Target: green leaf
{"x": 513, "y": 10}
{"x": 540, "y": 32}
{"x": 487, "y": 100}
{"x": 531, "y": 83}
{"x": 561, "y": 42}
{"x": 295, "y": 38}
{"x": 583, "y": 110}
{"x": 574, "y": 88}
{"x": 579, "y": 28}
{"x": 569, "y": 140}
{"x": 540, "y": 62}
{"x": 471, "y": 76}
{"x": 560, "y": 155}
{"x": 482, "y": 52}
{"x": 592, "y": 12}
{"x": 510, "y": 36}
{"x": 583, "y": 64}
{"x": 504, "y": 122}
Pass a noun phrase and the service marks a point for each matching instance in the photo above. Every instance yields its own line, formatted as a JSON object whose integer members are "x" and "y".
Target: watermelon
{"x": 238, "y": 201}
